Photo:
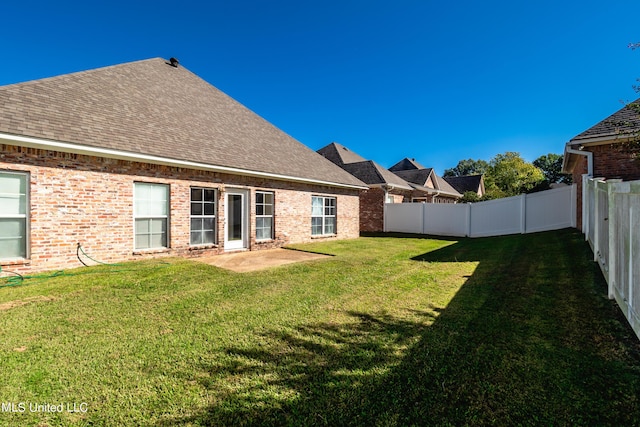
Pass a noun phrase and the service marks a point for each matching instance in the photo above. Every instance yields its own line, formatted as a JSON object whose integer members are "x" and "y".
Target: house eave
{"x": 391, "y": 187}
{"x": 603, "y": 139}
{"x": 66, "y": 147}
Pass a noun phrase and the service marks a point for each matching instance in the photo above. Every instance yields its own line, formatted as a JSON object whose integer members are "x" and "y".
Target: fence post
{"x": 596, "y": 219}
{"x": 585, "y": 205}
{"x": 574, "y": 205}
{"x": 613, "y": 243}
{"x": 384, "y": 217}
{"x": 468, "y": 233}
{"x": 424, "y": 218}
{"x": 523, "y": 213}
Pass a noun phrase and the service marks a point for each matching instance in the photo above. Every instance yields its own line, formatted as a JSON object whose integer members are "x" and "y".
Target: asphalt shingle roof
{"x": 416, "y": 176}
{"x": 465, "y": 183}
{"x": 421, "y": 176}
{"x": 150, "y": 107}
{"x": 624, "y": 121}
{"x": 366, "y": 171}
{"x": 406, "y": 164}
{"x": 340, "y": 155}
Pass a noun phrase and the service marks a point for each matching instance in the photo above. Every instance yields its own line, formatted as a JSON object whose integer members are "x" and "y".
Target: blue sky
{"x": 433, "y": 80}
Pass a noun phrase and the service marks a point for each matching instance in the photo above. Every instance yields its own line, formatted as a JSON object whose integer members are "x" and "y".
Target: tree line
{"x": 509, "y": 174}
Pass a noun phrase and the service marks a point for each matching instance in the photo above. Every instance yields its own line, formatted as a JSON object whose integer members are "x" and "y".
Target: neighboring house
{"x": 429, "y": 186}
{"x": 384, "y": 186}
{"x": 603, "y": 151}
{"x": 146, "y": 159}
{"x": 467, "y": 183}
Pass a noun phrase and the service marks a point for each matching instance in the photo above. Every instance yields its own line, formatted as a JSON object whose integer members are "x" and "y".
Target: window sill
{"x": 15, "y": 261}
{"x": 203, "y": 247}
{"x": 323, "y": 236}
{"x": 151, "y": 251}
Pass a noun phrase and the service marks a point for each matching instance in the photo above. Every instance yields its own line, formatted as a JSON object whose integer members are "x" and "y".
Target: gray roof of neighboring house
{"x": 152, "y": 108}
{"x": 339, "y": 154}
{"x": 624, "y": 121}
{"x": 416, "y": 176}
{"x": 465, "y": 183}
{"x": 372, "y": 173}
{"x": 366, "y": 171}
{"x": 420, "y": 177}
{"x": 406, "y": 164}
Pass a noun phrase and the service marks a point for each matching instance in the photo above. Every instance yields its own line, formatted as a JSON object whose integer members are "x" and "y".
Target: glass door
{"x": 236, "y": 220}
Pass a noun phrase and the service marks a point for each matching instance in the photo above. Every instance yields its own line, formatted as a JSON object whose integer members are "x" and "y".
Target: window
{"x": 323, "y": 215}
{"x": 13, "y": 214}
{"x": 264, "y": 215}
{"x": 151, "y": 214}
{"x": 203, "y": 216}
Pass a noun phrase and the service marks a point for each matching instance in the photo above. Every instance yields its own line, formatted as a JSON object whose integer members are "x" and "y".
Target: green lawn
{"x": 514, "y": 330}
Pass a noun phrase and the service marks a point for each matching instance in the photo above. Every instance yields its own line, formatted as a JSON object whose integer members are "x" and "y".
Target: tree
{"x": 468, "y": 167}
{"x": 469, "y": 197}
{"x": 551, "y": 166}
{"x": 632, "y": 146}
{"x": 505, "y": 175}
{"x": 510, "y": 175}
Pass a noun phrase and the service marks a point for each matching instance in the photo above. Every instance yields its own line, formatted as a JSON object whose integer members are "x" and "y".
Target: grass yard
{"x": 513, "y": 330}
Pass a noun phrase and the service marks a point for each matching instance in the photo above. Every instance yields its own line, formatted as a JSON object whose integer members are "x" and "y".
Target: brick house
{"x": 383, "y": 185}
{"x": 608, "y": 150}
{"x": 146, "y": 159}
{"x": 405, "y": 182}
{"x": 430, "y": 188}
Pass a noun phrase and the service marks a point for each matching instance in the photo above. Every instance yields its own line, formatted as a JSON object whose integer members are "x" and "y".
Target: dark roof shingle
{"x": 366, "y": 171}
{"x": 624, "y": 121}
{"x": 465, "y": 183}
{"x": 406, "y": 164}
{"x": 149, "y": 107}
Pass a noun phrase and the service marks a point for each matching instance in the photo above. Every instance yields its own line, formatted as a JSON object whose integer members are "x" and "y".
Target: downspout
{"x": 589, "y": 155}
{"x": 386, "y": 188}
{"x": 433, "y": 199}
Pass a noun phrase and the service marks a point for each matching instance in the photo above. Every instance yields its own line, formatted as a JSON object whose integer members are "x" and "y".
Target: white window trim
{"x": 167, "y": 217}
{"x": 272, "y": 216}
{"x": 203, "y": 216}
{"x": 323, "y": 216}
{"x": 25, "y": 216}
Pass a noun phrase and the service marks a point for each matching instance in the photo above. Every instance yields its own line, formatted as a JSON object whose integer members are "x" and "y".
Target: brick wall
{"x": 610, "y": 162}
{"x": 82, "y": 199}
{"x": 372, "y": 210}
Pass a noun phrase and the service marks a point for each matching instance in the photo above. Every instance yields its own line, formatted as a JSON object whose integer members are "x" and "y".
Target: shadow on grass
{"x": 529, "y": 339}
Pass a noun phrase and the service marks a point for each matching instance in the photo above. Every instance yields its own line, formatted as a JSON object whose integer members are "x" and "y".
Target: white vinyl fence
{"x": 611, "y": 224}
{"x": 546, "y": 210}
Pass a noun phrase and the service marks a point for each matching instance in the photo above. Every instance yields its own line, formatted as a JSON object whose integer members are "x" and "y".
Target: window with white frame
{"x": 203, "y": 216}
{"x": 264, "y": 215}
{"x": 151, "y": 215}
{"x": 13, "y": 214}
{"x": 323, "y": 215}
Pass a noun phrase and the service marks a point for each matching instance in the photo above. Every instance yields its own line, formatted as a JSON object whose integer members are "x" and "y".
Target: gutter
{"x": 588, "y": 154}
{"x": 109, "y": 153}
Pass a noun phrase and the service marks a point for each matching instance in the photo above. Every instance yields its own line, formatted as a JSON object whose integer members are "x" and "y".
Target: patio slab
{"x": 242, "y": 262}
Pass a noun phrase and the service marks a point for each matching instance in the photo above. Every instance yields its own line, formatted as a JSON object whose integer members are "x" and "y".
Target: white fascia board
{"x": 25, "y": 141}
{"x": 603, "y": 139}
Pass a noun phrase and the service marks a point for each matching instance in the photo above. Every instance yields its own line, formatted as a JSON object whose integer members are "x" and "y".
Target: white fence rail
{"x": 546, "y": 210}
{"x": 611, "y": 224}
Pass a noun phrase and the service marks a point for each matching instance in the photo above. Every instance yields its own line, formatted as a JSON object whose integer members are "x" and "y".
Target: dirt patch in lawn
{"x": 18, "y": 303}
{"x": 242, "y": 262}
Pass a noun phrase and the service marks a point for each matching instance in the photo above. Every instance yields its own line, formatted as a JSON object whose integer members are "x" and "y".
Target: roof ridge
{"x": 81, "y": 72}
